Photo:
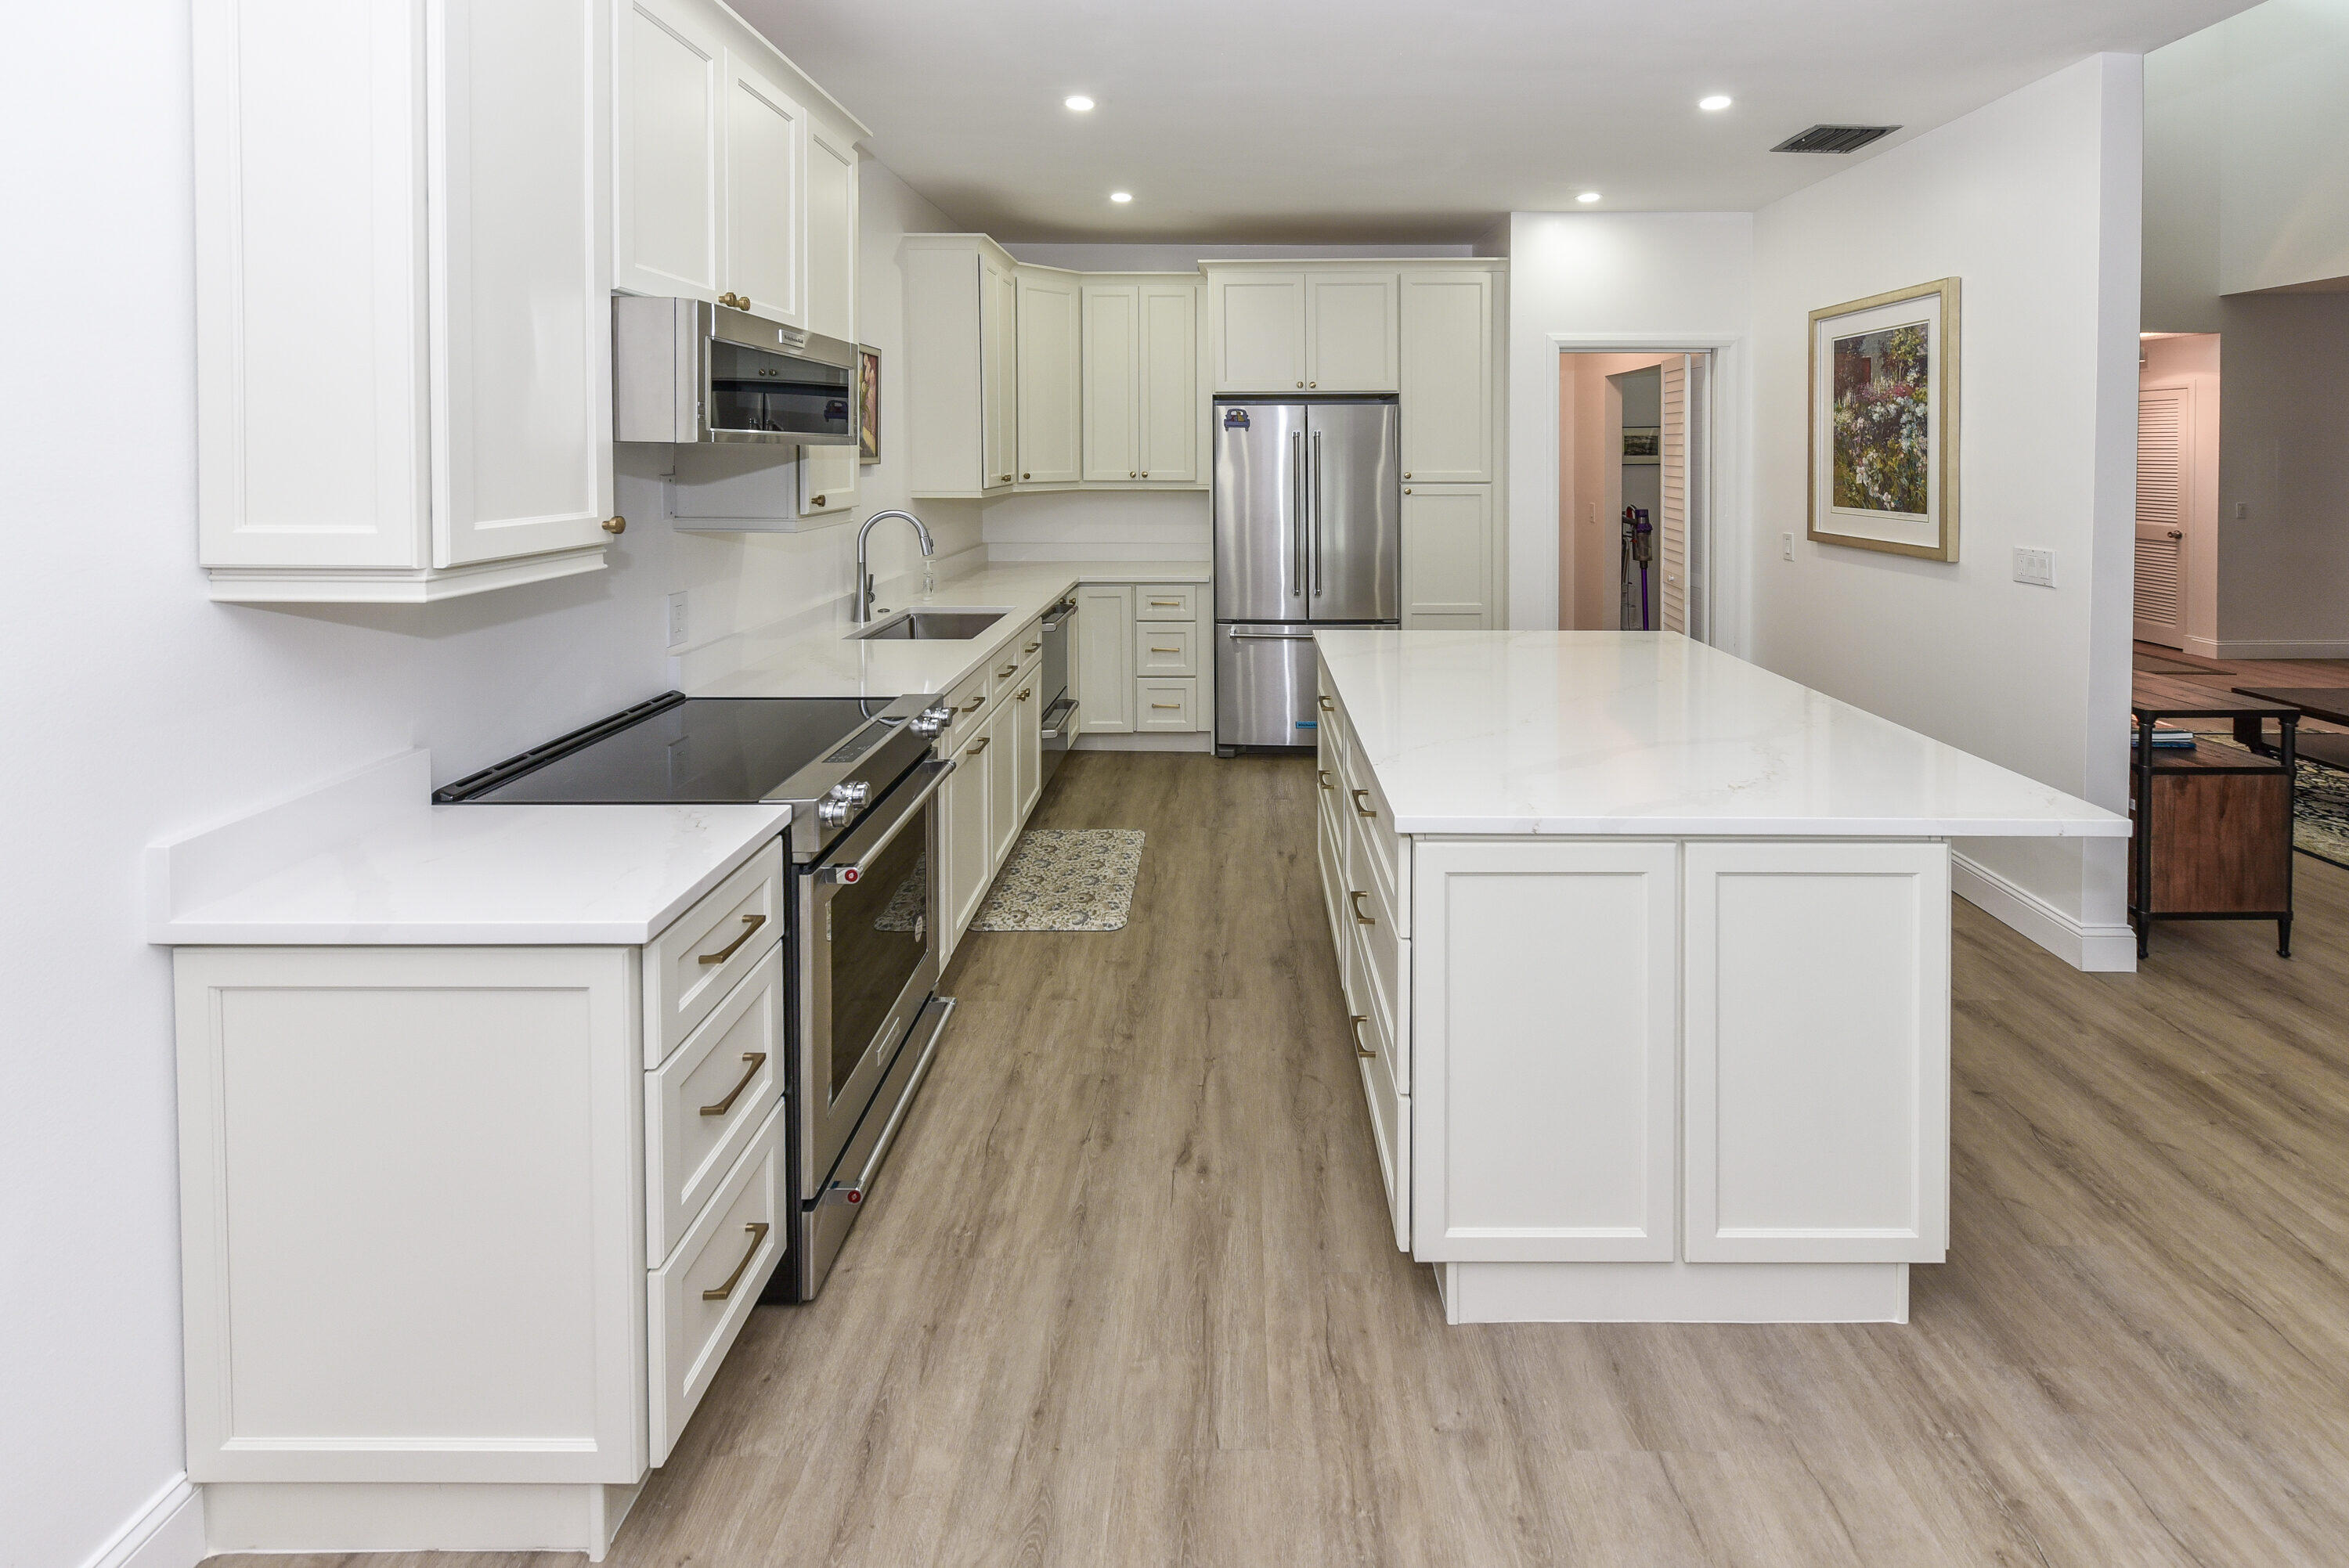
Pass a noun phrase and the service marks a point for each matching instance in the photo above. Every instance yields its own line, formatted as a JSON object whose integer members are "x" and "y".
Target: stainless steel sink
{"x": 930, "y": 626}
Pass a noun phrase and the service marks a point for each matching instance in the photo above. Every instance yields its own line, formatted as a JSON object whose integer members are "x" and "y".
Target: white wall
{"x": 2191, "y": 361}
{"x": 2283, "y": 460}
{"x": 2246, "y": 183}
{"x": 2033, "y": 202}
{"x": 1661, "y": 279}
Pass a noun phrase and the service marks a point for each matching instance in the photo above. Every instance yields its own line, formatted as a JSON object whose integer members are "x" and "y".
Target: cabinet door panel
{"x": 766, "y": 160}
{"x": 1544, "y": 1027}
{"x": 1447, "y": 377}
{"x": 1051, "y": 410}
{"x": 1349, "y": 344}
{"x": 665, "y": 211}
{"x": 1113, "y": 354}
{"x": 831, "y": 235}
{"x": 1002, "y": 784}
{"x": 998, "y": 358}
{"x": 1169, "y": 383}
{"x": 1447, "y": 558}
{"x": 1027, "y": 735}
{"x": 1257, "y": 321}
{"x": 1819, "y": 1052}
{"x": 967, "y": 838}
{"x": 828, "y": 478}
{"x": 1104, "y": 672}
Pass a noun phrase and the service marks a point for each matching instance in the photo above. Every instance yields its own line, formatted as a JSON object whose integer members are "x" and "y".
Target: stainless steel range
{"x": 861, "y": 940}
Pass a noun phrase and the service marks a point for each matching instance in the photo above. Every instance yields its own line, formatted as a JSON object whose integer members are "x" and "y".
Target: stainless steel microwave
{"x": 686, "y": 370}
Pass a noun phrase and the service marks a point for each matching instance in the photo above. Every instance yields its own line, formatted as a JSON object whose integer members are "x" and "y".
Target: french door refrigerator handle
{"x": 1296, "y": 512}
{"x": 1315, "y": 485}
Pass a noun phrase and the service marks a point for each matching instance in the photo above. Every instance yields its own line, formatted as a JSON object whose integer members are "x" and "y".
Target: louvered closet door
{"x": 2164, "y": 451}
{"x": 1672, "y": 528}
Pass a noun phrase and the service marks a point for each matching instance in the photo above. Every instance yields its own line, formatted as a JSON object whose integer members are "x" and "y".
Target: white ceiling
{"x": 1353, "y": 120}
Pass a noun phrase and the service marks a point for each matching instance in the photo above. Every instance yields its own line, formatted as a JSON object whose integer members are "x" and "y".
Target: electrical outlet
{"x": 2036, "y": 567}
{"x": 676, "y": 619}
{"x": 1785, "y": 547}
{"x": 2242, "y": 512}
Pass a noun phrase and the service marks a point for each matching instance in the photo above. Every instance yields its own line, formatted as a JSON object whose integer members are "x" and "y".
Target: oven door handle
{"x": 867, "y": 843}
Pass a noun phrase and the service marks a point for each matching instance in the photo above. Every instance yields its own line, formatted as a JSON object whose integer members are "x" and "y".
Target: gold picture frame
{"x": 1883, "y": 423}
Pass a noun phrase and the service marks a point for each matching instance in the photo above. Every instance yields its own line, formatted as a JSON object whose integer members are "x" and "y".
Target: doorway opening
{"x": 2177, "y": 597}
{"x": 1634, "y": 491}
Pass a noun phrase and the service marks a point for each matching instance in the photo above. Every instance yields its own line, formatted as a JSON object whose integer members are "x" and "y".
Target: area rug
{"x": 2319, "y": 809}
{"x": 1055, "y": 878}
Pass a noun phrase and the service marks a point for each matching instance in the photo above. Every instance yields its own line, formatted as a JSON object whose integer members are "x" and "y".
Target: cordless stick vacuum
{"x": 1639, "y": 543}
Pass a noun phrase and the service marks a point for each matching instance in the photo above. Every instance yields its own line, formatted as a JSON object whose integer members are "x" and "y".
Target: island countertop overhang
{"x": 1650, "y": 735}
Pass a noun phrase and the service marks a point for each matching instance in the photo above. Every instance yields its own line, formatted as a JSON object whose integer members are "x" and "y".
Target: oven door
{"x": 868, "y": 959}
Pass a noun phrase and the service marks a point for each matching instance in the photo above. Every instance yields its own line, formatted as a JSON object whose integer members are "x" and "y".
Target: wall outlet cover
{"x": 676, "y": 619}
{"x": 2036, "y": 567}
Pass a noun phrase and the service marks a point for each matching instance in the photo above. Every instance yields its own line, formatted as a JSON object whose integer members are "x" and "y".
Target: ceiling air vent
{"x": 1835, "y": 138}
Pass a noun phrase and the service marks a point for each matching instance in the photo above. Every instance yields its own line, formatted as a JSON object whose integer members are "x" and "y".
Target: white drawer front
{"x": 1004, "y": 667}
{"x": 704, "y": 1105}
{"x": 703, "y": 952}
{"x": 1383, "y": 969}
{"x": 1166, "y": 602}
{"x": 1166, "y": 705}
{"x": 1382, "y": 848}
{"x": 731, "y": 1249}
{"x": 1390, "y": 1121}
{"x": 968, "y": 699}
{"x": 1164, "y": 648}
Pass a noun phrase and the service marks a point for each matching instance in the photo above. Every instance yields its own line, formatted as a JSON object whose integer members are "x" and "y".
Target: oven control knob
{"x": 931, "y": 720}
{"x": 833, "y": 813}
{"x": 856, "y": 794}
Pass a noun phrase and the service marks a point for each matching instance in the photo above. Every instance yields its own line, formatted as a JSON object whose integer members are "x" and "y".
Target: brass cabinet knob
{"x": 1146, "y": 473}
{"x": 1131, "y": 474}
{"x": 1023, "y": 476}
{"x": 1313, "y": 384}
{"x": 1300, "y": 384}
{"x": 1406, "y": 473}
{"x": 615, "y": 525}
{"x": 816, "y": 501}
{"x": 1406, "y": 490}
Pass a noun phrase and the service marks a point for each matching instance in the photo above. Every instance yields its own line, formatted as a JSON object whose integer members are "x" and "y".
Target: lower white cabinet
{"x": 467, "y": 1231}
{"x": 1140, "y": 664}
{"x": 1448, "y": 558}
{"x": 1103, "y": 659}
{"x": 997, "y": 741}
{"x": 965, "y": 824}
{"x": 1002, "y": 784}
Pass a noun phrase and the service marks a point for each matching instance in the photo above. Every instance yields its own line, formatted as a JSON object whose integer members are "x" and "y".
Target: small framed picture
{"x": 1884, "y": 422}
{"x": 1643, "y": 443}
{"x": 868, "y": 404}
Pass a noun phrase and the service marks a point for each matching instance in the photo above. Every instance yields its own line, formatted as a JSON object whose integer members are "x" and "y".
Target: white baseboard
{"x": 2098, "y": 949}
{"x": 169, "y": 1532}
{"x": 2200, "y": 647}
{"x": 2273, "y": 648}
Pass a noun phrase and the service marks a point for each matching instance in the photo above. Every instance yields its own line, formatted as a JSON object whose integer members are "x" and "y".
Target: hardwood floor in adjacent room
{"x": 1126, "y": 1293}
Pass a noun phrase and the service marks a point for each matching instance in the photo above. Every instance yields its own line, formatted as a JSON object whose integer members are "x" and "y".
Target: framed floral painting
{"x": 1884, "y": 422}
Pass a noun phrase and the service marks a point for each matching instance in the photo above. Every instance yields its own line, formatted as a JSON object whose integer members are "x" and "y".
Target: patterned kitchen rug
{"x": 1064, "y": 879}
{"x": 2320, "y": 807}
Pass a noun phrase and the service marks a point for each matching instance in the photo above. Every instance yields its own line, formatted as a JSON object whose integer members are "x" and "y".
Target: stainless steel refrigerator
{"x": 1308, "y": 532}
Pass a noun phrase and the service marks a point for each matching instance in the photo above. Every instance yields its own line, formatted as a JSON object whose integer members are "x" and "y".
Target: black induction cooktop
{"x": 680, "y": 750}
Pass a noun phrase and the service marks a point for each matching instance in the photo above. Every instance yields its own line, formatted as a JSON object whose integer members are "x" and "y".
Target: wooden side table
{"x": 2213, "y": 828}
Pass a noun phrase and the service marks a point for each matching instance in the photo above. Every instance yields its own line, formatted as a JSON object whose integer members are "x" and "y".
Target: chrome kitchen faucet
{"x": 863, "y": 572}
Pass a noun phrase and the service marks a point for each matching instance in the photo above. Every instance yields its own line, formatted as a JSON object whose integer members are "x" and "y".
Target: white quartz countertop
{"x": 366, "y": 860}
{"x": 1649, "y": 733}
{"x": 833, "y": 664}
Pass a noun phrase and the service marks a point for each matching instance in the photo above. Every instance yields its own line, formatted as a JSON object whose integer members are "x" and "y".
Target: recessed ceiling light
{"x": 1588, "y": 196}
{"x": 1712, "y": 105}
{"x": 1079, "y": 102}
{"x": 1121, "y": 195}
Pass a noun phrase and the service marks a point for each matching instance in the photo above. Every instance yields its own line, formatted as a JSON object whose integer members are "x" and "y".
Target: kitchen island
{"x": 1646, "y": 954}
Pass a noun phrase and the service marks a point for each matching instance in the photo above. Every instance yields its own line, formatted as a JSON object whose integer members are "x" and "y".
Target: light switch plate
{"x": 2036, "y": 567}
{"x": 676, "y": 619}
{"x": 1785, "y": 547}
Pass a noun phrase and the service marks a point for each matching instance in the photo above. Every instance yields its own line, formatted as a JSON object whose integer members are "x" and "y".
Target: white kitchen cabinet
{"x": 1818, "y": 1134}
{"x": 831, "y": 259}
{"x": 449, "y": 188}
{"x": 962, "y": 366}
{"x": 1447, "y": 558}
{"x": 999, "y": 353}
{"x": 1103, "y": 658}
{"x": 1255, "y": 326}
{"x": 1142, "y": 404}
{"x": 965, "y": 827}
{"x": 1026, "y": 708}
{"x": 764, "y": 191}
{"x": 1003, "y": 815}
{"x": 1351, "y": 332}
{"x": 1447, "y": 377}
{"x": 1113, "y": 360}
{"x": 1050, "y": 372}
{"x": 667, "y": 149}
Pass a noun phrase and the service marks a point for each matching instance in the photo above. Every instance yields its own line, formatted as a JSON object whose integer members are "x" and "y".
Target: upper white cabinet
{"x": 999, "y": 353}
{"x": 1303, "y": 332}
{"x": 445, "y": 187}
{"x": 962, "y": 364}
{"x": 764, "y": 193}
{"x": 1447, "y": 377}
{"x": 666, "y": 155}
{"x": 832, "y": 161}
{"x": 1051, "y": 377}
{"x": 1142, "y": 403}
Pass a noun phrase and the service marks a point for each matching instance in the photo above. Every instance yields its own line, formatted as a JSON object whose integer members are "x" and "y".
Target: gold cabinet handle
{"x": 1132, "y": 475}
{"x": 615, "y": 525}
{"x": 1031, "y": 648}
{"x": 1146, "y": 473}
{"x": 1324, "y": 773}
{"x": 1406, "y": 490}
{"x": 980, "y": 747}
{"x": 975, "y": 704}
{"x": 1300, "y": 383}
{"x": 1023, "y": 476}
{"x": 1355, "y": 1022}
{"x": 1355, "y": 899}
{"x": 817, "y": 501}
{"x": 1022, "y": 697}
{"x": 758, "y": 1229}
{"x": 751, "y": 923}
{"x": 1406, "y": 473}
{"x": 1006, "y": 672}
{"x": 1313, "y": 384}
{"x": 1166, "y": 604}
{"x": 1327, "y": 707}
{"x": 1156, "y": 649}
{"x": 757, "y": 1060}
{"x": 1360, "y": 809}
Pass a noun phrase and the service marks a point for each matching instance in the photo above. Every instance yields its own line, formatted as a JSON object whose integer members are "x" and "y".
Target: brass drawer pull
{"x": 1360, "y": 809}
{"x": 758, "y": 1229}
{"x": 980, "y": 747}
{"x": 1355, "y": 1022}
{"x": 1023, "y": 695}
{"x": 1166, "y": 604}
{"x": 1030, "y": 649}
{"x": 975, "y": 704}
{"x": 817, "y": 500}
{"x": 1156, "y": 649}
{"x": 1324, "y": 773}
{"x": 1166, "y": 705}
{"x": 1355, "y": 901}
{"x": 1006, "y": 672}
{"x": 1327, "y": 707}
{"x": 757, "y": 1060}
{"x": 751, "y": 923}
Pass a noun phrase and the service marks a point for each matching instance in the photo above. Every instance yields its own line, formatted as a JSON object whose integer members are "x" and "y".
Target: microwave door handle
{"x": 934, "y": 773}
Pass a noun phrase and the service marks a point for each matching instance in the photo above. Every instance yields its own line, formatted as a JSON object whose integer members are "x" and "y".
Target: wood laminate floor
{"x": 1127, "y": 1294}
